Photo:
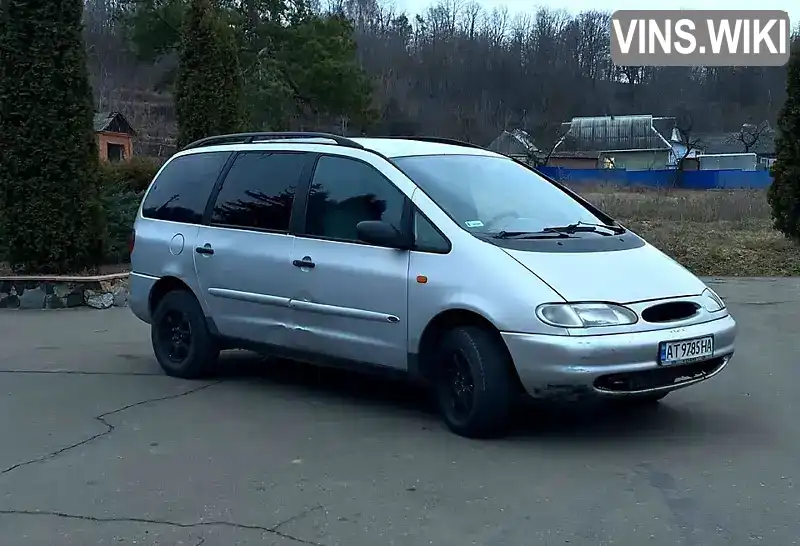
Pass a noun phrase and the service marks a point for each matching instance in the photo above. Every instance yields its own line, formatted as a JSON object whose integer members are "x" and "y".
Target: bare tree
{"x": 684, "y": 127}
{"x": 750, "y": 135}
{"x": 548, "y": 136}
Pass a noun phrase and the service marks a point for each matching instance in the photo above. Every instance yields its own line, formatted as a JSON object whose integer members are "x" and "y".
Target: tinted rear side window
{"x": 181, "y": 191}
{"x": 258, "y": 191}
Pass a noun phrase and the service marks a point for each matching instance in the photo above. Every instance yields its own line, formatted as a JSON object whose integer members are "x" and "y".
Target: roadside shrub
{"x": 50, "y": 198}
{"x": 784, "y": 193}
{"x": 124, "y": 184}
{"x": 120, "y": 207}
{"x": 128, "y": 176}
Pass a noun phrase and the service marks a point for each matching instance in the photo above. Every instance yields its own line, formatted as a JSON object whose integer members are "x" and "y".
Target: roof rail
{"x": 248, "y": 138}
{"x": 439, "y": 140}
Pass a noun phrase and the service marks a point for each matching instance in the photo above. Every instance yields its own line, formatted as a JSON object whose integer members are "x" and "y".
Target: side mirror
{"x": 380, "y": 233}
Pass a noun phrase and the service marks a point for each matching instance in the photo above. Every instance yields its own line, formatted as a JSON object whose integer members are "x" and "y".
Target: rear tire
{"x": 182, "y": 343}
{"x": 475, "y": 386}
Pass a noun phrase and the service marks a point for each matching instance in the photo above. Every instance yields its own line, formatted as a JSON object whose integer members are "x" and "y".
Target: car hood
{"x": 622, "y": 276}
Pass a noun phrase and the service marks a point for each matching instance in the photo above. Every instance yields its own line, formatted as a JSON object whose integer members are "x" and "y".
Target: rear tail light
{"x": 132, "y": 240}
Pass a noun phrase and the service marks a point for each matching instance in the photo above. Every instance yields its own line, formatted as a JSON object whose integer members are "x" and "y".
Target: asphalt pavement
{"x": 97, "y": 446}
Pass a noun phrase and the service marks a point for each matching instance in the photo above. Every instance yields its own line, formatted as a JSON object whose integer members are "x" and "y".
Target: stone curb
{"x": 98, "y": 292}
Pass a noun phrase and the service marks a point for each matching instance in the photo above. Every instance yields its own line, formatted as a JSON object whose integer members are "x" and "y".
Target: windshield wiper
{"x": 585, "y": 227}
{"x": 551, "y": 234}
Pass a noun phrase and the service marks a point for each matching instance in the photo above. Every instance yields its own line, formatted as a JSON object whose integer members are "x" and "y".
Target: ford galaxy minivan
{"x": 435, "y": 258}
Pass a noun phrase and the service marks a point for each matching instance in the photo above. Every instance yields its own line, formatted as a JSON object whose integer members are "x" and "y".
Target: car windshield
{"x": 495, "y": 195}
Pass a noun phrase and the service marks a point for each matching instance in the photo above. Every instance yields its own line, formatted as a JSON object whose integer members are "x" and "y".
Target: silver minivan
{"x": 434, "y": 258}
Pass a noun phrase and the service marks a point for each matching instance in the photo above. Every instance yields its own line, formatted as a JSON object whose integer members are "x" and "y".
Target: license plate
{"x": 686, "y": 350}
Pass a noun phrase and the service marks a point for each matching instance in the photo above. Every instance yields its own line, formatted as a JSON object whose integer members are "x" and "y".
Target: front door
{"x": 353, "y": 297}
{"x": 243, "y": 256}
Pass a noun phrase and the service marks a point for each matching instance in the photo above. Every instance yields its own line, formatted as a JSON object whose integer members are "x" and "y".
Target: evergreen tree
{"x": 208, "y": 91}
{"x": 299, "y": 67}
{"x": 784, "y": 193}
{"x": 50, "y": 208}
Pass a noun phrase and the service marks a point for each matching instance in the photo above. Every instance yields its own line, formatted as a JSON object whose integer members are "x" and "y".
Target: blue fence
{"x": 693, "y": 180}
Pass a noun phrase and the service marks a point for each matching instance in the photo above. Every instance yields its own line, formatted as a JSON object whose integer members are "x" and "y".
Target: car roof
{"x": 402, "y": 147}
{"x": 390, "y": 147}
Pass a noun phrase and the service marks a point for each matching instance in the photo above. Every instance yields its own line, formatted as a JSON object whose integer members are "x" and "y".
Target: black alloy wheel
{"x": 181, "y": 339}
{"x": 475, "y": 383}
{"x": 460, "y": 397}
{"x": 176, "y": 336}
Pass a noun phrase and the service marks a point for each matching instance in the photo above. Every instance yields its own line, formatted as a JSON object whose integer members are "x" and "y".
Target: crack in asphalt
{"x": 273, "y": 530}
{"x": 109, "y": 427}
{"x": 301, "y": 515}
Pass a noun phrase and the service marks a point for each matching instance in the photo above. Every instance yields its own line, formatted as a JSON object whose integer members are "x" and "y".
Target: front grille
{"x": 661, "y": 377}
{"x": 670, "y": 311}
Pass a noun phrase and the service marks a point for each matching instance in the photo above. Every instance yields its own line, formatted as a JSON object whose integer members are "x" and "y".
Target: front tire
{"x": 181, "y": 341}
{"x": 475, "y": 387}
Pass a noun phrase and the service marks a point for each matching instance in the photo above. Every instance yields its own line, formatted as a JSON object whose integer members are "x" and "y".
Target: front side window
{"x": 258, "y": 191}
{"x": 345, "y": 192}
{"x": 181, "y": 190}
{"x": 427, "y": 238}
{"x": 490, "y": 195}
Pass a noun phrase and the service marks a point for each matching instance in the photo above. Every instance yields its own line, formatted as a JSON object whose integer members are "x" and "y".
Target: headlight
{"x": 712, "y": 302}
{"x": 585, "y": 315}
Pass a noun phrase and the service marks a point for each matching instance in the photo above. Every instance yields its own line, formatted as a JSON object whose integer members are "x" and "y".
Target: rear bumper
{"x": 139, "y": 295}
{"x": 616, "y": 364}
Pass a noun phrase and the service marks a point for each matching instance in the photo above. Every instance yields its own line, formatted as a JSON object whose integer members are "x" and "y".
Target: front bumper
{"x": 615, "y": 364}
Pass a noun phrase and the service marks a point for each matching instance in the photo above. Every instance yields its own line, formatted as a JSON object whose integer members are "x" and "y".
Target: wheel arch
{"x": 163, "y": 286}
{"x": 448, "y": 320}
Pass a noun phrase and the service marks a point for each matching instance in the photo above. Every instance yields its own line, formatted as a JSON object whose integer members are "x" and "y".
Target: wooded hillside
{"x": 460, "y": 71}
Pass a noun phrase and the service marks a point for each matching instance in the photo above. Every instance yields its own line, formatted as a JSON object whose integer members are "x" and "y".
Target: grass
{"x": 714, "y": 233}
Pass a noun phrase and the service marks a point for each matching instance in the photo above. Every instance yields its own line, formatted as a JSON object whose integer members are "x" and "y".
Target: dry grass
{"x": 721, "y": 232}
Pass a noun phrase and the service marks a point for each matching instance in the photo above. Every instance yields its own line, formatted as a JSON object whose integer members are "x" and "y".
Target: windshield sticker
{"x": 473, "y": 223}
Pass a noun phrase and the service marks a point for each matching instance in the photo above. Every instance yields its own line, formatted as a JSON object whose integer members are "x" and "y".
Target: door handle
{"x": 305, "y": 262}
{"x": 204, "y": 249}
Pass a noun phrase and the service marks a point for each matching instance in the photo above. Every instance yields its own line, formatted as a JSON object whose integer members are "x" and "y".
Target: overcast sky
{"x": 575, "y": 6}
